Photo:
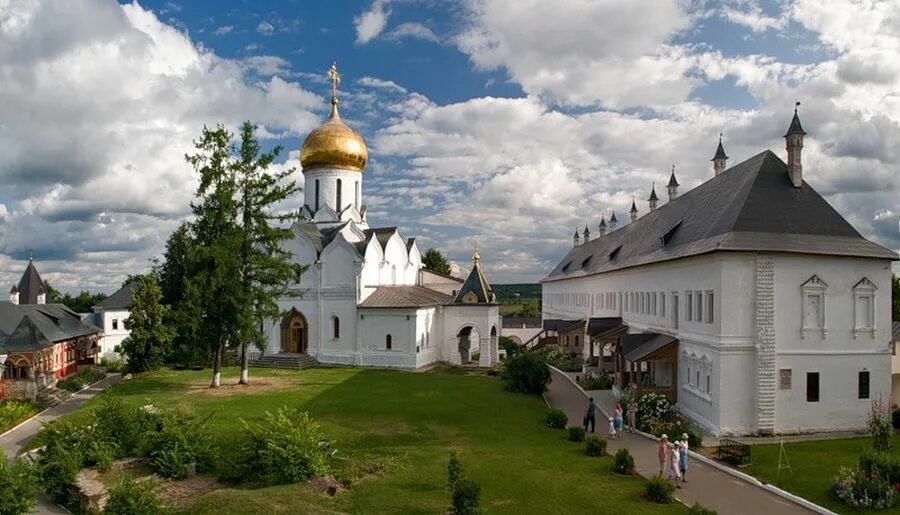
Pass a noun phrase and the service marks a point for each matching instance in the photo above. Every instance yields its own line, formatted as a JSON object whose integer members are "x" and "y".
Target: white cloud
{"x": 413, "y": 30}
{"x": 389, "y": 85}
{"x": 265, "y": 28}
{"x": 225, "y": 29}
{"x": 372, "y": 22}
{"x": 752, "y": 17}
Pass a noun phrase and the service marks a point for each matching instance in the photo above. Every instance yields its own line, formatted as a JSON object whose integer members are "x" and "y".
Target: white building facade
{"x": 364, "y": 299}
{"x": 110, "y": 314}
{"x": 780, "y": 310}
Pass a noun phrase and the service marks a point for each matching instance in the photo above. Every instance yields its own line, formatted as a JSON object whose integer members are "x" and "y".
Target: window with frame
{"x": 699, "y": 307}
{"x": 690, "y": 305}
{"x": 710, "y": 307}
{"x": 662, "y": 303}
{"x": 813, "y": 314}
{"x": 812, "y": 387}
{"x": 864, "y": 308}
{"x": 388, "y": 344}
{"x": 653, "y": 304}
{"x": 863, "y": 385}
{"x": 336, "y": 327}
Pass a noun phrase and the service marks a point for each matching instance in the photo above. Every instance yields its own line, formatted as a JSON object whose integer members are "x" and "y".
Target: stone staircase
{"x": 49, "y": 397}
{"x": 285, "y": 360}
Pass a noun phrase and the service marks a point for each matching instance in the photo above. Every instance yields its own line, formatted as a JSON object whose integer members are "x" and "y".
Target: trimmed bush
{"x": 526, "y": 373}
{"x": 881, "y": 426}
{"x": 454, "y": 471}
{"x": 576, "y": 434}
{"x": 465, "y": 496}
{"x": 18, "y": 487}
{"x": 594, "y": 446}
{"x": 696, "y": 509}
{"x": 659, "y": 490}
{"x": 623, "y": 462}
{"x": 128, "y": 498}
{"x": 556, "y": 419}
{"x": 288, "y": 447}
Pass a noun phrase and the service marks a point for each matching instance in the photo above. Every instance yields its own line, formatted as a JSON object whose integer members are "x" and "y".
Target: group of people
{"x": 673, "y": 459}
{"x": 615, "y": 421}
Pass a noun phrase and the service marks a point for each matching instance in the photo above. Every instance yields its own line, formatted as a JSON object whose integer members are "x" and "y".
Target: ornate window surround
{"x": 864, "y": 289}
{"x": 813, "y": 287}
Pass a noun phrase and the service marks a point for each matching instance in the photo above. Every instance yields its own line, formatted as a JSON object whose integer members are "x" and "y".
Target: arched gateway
{"x": 294, "y": 332}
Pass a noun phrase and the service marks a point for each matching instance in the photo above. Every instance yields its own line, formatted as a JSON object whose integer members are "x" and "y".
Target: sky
{"x": 503, "y": 122}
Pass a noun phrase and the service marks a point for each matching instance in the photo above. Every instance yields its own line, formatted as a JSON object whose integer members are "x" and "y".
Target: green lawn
{"x": 406, "y": 424}
{"x": 814, "y": 464}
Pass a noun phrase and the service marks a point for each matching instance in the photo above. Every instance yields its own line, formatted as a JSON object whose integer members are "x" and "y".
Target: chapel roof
{"x": 30, "y": 285}
{"x": 121, "y": 299}
{"x": 31, "y": 327}
{"x": 476, "y": 289}
{"x": 752, "y": 206}
{"x": 404, "y": 297}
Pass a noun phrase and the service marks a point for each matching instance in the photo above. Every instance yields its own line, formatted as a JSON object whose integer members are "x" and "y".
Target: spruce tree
{"x": 148, "y": 343}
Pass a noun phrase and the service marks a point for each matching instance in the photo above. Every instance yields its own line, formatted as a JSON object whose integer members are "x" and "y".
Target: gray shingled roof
{"x": 30, "y": 285}
{"x": 749, "y": 207}
{"x": 35, "y": 326}
{"x": 121, "y": 299}
{"x": 404, "y": 297}
{"x": 636, "y": 347}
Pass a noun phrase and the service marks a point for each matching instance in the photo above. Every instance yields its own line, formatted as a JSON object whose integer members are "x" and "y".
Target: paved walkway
{"x": 707, "y": 485}
{"x": 15, "y": 441}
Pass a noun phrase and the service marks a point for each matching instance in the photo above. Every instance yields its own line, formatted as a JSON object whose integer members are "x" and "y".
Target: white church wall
{"x": 836, "y": 355}
{"x": 414, "y": 263}
{"x": 339, "y": 265}
{"x": 113, "y": 333}
{"x": 371, "y": 270}
{"x": 304, "y": 252}
{"x": 428, "y": 337}
{"x": 374, "y": 327}
{"x": 395, "y": 261}
{"x": 327, "y": 179}
{"x": 340, "y": 348}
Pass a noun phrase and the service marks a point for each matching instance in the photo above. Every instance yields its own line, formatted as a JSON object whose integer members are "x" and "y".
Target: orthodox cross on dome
{"x": 335, "y": 79}
{"x": 475, "y": 257}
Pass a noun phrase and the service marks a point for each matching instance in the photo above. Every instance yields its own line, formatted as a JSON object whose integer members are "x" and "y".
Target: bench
{"x": 733, "y": 451}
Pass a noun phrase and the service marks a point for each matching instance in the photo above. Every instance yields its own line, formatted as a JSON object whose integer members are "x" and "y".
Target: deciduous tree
{"x": 436, "y": 262}
{"x": 148, "y": 343}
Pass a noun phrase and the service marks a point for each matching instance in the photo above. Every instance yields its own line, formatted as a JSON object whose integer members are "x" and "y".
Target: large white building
{"x": 365, "y": 298}
{"x": 111, "y": 314}
{"x": 748, "y": 299}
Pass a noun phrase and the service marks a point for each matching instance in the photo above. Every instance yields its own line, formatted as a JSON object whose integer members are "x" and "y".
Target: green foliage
{"x": 116, "y": 422}
{"x": 623, "y": 462}
{"x": 595, "y": 447}
{"x": 100, "y": 453}
{"x": 509, "y": 345}
{"x": 881, "y": 426}
{"x": 59, "y": 461}
{"x": 454, "y": 471}
{"x": 657, "y": 416}
{"x": 556, "y": 419}
{"x": 129, "y": 498}
{"x": 84, "y": 377}
{"x": 600, "y": 382}
{"x": 859, "y": 489}
{"x": 562, "y": 360}
{"x": 80, "y": 303}
{"x": 507, "y": 292}
{"x": 180, "y": 441}
{"x": 696, "y": 509}
{"x": 112, "y": 365}
{"x": 147, "y": 346}
{"x": 883, "y": 464}
{"x": 436, "y": 262}
{"x": 576, "y": 434}
{"x": 13, "y": 412}
{"x": 465, "y": 496}
{"x": 521, "y": 308}
{"x": 526, "y": 373}
{"x": 18, "y": 487}
{"x": 286, "y": 448}
{"x": 659, "y": 490}
{"x": 895, "y": 418}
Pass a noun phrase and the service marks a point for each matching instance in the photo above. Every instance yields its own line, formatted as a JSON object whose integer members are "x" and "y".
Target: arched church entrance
{"x": 469, "y": 340}
{"x": 294, "y": 332}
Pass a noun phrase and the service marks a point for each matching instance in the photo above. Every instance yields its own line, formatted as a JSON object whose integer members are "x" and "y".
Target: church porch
{"x": 648, "y": 361}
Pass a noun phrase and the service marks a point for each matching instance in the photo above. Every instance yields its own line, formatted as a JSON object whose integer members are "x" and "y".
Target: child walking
{"x": 612, "y": 429}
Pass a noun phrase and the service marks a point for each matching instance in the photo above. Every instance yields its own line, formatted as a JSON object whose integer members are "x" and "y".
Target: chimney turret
{"x": 576, "y": 239}
{"x": 587, "y": 234}
{"x": 612, "y": 221}
{"x": 794, "y": 145}
{"x": 673, "y": 185}
{"x": 602, "y": 226}
{"x": 719, "y": 159}
{"x": 653, "y": 198}
{"x": 634, "y": 210}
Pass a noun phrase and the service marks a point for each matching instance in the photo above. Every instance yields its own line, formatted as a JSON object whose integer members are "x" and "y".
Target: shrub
{"x": 13, "y": 412}
{"x": 623, "y": 462}
{"x": 180, "y": 442}
{"x": 59, "y": 462}
{"x": 883, "y": 464}
{"x": 696, "y": 509}
{"x": 112, "y": 365}
{"x": 18, "y": 487}
{"x": 565, "y": 362}
{"x": 861, "y": 490}
{"x": 526, "y": 373}
{"x": 601, "y": 382}
{"x": 124, "y": 424}
{"x": 509, "y": 345}
{"x": 454, "y": 471}
{"x": 128, "y": 498}
{"x": 576, "y": 434}
{"x": 556, "y": 419}
{"x": 286, "y": 448}
{"x": 594, "y": 446}
{"x": 100, "y": 453}
{"x": 659, "y": 490}
{"x": 79, "y": 381}
{"x": 465, "y": 496}
{"x": 880, "y": 425}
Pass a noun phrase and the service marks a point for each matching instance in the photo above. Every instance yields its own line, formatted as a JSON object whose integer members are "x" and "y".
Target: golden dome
{"x": 334, "y": 144}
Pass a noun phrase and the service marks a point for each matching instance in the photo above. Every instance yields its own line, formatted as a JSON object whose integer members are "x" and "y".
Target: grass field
{"x": 404, "y": 424}
{"x": 813, "y": 465}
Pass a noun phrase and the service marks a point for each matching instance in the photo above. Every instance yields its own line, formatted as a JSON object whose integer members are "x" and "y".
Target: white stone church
{"x": 748, "y": 300}
{"x": 366, "y": 298}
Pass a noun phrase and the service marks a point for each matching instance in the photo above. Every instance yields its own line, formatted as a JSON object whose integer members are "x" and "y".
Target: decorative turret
{"x": 653, "y": 198}
{"x": 612, "y": 221}
{"x": 577, "y": 238}
{"x": 673, "y": 185}
{"x": 14, "y": 295}
{"x": 31, "y": 288}
{"x": 634, "y": 210}
{"x": 719, "y": 159}
{"x": 602, "y": 226}
{"x": 475, "y": 289}
{"x": 794, "y": 145}
{"x": 587, "y": 234}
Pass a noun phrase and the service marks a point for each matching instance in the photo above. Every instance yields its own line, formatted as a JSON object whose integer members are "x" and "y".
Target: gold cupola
{"x": 334, "y": 144}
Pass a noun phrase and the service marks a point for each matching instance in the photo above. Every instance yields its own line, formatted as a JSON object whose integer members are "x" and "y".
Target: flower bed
{"x": 12, "y": 413}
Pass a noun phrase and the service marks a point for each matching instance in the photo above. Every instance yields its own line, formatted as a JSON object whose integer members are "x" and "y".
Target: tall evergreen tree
{"x": 213, "y": 296}
{"x": 436, "y": 262}
{"x": 266, "y": 269}
{"x": 148, "y": 343}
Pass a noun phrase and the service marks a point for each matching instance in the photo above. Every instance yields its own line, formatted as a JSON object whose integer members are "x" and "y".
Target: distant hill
{"x": 506, "y": 292}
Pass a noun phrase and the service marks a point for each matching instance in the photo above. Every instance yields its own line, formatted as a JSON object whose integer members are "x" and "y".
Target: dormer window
{"x": 864, "y": 308}
{"x": 615, "y": 253}
{"x": 813, "y": 314}
{"x": 670, "y": 233}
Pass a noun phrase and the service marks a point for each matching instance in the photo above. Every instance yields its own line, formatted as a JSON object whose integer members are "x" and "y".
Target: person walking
{"x": 674, "y": 467}
{"x": 590, "y": 415}
{"x": 617, "y": 419}
{"x": 612, "y": 429}
{"x": 632, "y": 414}
{"x": 683, "y": 457}
{"x": 663, "y": 453}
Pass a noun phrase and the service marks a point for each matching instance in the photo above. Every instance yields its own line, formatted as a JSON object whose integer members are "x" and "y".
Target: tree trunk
{"x": 245, "y": 364}
{"x": 217, "y": 367}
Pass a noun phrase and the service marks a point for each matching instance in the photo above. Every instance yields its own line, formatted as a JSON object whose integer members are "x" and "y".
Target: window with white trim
{"x": 864, "y": 308}
{"x": 710, "y": 307}
{"x": 699, "y": 308}
{"x": 653, "y": 303}
{"x": 690, "y": 306}
{"x": 813, "y": 314}
{"x": 662, "y": 303}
